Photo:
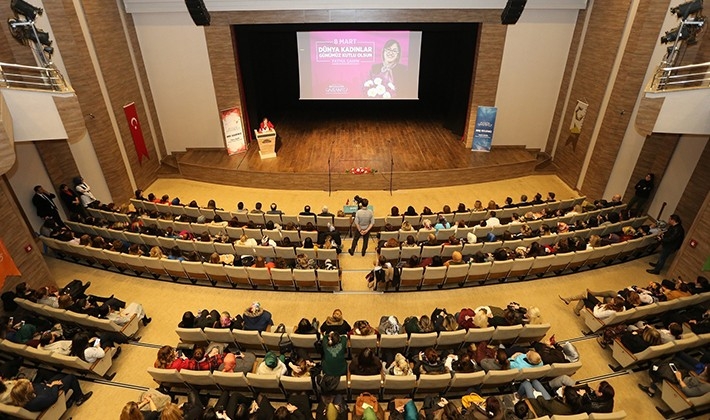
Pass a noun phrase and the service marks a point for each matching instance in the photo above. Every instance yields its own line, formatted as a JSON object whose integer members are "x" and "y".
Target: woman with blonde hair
{"x": 480, "y": 319}
{"x": 171, "y": 412}
{"x": 400, "y": 366}
{"x": 533, "y": 316}
{"x": 156, "y": 252}
{"x": 39, "y": 397}
{"x": 406, "y": 227}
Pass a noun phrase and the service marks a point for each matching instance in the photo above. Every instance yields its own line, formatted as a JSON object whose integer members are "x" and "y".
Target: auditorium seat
{"x": 450, "y": 339}
{"x": 198, "y": 379}
{"x": 249, "y": 341}
{"x": 173, "y": 268}
{"x": 282, "y": 278}
{"x": 411, "y": 277}
{"x": 216, "y": 273}
{"x": 328, "y": 280}
{"x": 433, "y": 276}
{"x": 268, "y": 385}
{"x": 521, "y": 267}
{"x": 461, "y": 383}
{"x": 260, "y": 277}
{"x": 534, "y": 372}
{"x": 364, "y": 383}
{"x": 398, "y": 386}
{"x": 432, "y": 384}
{"x": 499, "y": 270}
{"x": 305, "y": 279}
{"x": 231, "y": 381}
{"x": 238, "y": 276}
{"x": 418, "y": 341}
{"x": 219, "y": 335}
{"x": 195, "y": 271}
{"x": 456, "y": 274}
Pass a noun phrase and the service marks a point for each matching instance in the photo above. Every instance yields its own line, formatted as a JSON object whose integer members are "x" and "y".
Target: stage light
{"x": 25, "y": 9}
{"x": 43, "y": 38}
{"x": 688, "y": 8}
{"x": 676, "y": 33}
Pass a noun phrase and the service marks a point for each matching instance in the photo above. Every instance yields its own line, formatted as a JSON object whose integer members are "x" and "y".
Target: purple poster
{"x": 359, "y": 65}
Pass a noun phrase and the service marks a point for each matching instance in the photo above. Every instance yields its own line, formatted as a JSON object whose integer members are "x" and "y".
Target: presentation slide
{"x": 359, "y": 64}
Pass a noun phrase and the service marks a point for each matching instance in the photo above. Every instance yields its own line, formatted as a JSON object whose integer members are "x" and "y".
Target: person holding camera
{"x": 691, "y": 385}
{"x": 364, "y": 220}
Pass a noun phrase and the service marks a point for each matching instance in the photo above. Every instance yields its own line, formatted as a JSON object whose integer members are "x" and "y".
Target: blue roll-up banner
{"x": 483, "y": 131}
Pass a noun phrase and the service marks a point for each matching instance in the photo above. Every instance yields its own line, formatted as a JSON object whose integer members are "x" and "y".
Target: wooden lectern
{"x": 267, "y": 143}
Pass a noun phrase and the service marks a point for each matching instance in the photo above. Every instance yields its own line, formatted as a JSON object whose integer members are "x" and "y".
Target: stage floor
{"x": 406, "y": 153}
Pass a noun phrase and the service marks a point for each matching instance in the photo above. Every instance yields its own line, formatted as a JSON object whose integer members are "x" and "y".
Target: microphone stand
{"x": 391, "y": 167}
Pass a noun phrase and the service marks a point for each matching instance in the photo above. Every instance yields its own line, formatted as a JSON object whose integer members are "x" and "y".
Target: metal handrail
{"x": 680, "y": 77}
{"x": 18, "y": 76}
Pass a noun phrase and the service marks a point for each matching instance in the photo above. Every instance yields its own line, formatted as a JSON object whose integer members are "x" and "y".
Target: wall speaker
{"x": 512, "y": 12}
{"x": 198, "y": 12}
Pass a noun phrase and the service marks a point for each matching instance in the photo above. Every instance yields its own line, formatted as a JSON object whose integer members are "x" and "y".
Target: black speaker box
{"x": 512, "y": 12}
{"x": 198, "y": 12}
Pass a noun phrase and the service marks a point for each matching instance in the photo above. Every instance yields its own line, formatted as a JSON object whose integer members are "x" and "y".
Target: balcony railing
{"x": 16, "y": 76}
{"x": 682, "y": 77}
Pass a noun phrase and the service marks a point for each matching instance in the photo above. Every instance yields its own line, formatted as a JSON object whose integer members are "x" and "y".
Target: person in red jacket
{"x": 265, "y": 125}
{"x": 168, "y": 358}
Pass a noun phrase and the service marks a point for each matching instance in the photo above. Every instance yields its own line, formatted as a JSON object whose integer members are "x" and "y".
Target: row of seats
{"x": 385, "y": 386}
{"x": 616, "y": 415}
{"x": 688, "y": 340}
{"x": 470, "y": 217}
{"x": 92, "y": 323}
{"x": 482, "y": 232}
{"x": 634, "y": 314}
{"x": 53, "y": 412}
{"x": 265, "y": 341}
{"x": 319, "y": 279}
{"x": 251, "y": 277}
{"x": 678, "y": 402}
{"x": 59, "y": 361}
{"x": 521, "y": 268}
{"x": 207, "y": 248}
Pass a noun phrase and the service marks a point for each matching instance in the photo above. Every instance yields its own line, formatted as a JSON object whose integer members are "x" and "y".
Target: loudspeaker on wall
{"x": 513, "y": 10}
{"x": 198, "y": 12}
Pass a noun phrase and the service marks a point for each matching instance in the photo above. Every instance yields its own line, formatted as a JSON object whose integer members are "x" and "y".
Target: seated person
{"x": 335, "y": 323}
{"x": 690, "y": 385}
{"x": 39, "y": 396}
{"x": 589, "y": 300}
{"x": 90, "y": 349}
{"x": 525, "y": 360}
{"x": 257, "y": 319}
{"x": 429, "y": 362}
{"x": 272, "y": 365}
{"x": 639, "y": 340}
{"x": 366, "y": 363}
{"x": 169, "y": 358}
{"x": 237, "y": 362}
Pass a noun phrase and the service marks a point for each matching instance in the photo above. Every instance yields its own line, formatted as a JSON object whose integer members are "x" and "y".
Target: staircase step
{"x": 170, "y": 160}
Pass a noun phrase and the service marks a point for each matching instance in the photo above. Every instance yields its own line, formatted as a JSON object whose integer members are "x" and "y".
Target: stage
{"x": 319, "y": 153}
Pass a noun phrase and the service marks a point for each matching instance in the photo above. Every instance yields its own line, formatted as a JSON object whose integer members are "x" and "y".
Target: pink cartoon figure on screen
{"x": 265, "y": 125}
{"x": 385, "y": 77}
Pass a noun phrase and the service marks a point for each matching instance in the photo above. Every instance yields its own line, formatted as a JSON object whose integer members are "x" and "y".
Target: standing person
{"x": 84, "y": 191}
{"x": 364, "y": 220}
{"x": 70, "y": 199}
{"x": 265, "y": 125}
{"x": 643, "y": 192}
{"x": 44, "y": 202}
{"x": 671, "y": 240}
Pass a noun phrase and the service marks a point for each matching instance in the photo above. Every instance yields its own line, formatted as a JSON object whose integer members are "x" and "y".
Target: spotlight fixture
{"x": 676, "y": 33}
{"x": 21, "y": 7}
{"x": 688, "y": 8}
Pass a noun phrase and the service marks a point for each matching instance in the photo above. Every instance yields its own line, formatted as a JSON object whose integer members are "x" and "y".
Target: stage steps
{"x": 544, "y": 164}
{"x": 169, "y": 166}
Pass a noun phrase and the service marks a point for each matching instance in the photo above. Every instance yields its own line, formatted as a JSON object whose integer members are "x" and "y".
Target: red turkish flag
{"x": 135, "y": 126}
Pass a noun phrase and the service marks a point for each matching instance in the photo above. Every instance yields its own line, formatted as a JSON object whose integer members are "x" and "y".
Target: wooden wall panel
{"x": 602, "y": 39}
{"x": 16, "y": 235}
{"x": 656, "y": 153}
{"x": 144, "y": 82}
{"x": 698, "y": 187}
{"x": 347, "y": 16}
{"x": 564, "y": 86}
{"x": 58, "y": 161}
{"x": 688, "y": 262}
{"x": 629, "y": 82}
{"x": 486, "y": 73}
{"x": 67, "y": 33}
{"x": 221, "y": 50}
{"x": 647, "y": 114}
{"x": 119, "y": 76}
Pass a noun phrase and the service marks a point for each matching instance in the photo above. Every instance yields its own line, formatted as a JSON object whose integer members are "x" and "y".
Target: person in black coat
{"x": 642, "y": 192}
{"x": 671, "y": 240}
{"x": 44, "y": 203}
